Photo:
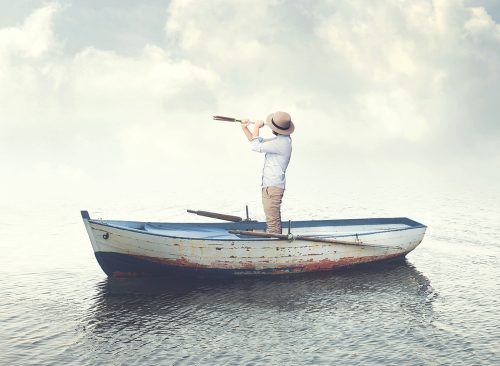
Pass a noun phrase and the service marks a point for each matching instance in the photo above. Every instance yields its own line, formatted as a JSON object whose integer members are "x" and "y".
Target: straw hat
{"x": 280, "y": 122}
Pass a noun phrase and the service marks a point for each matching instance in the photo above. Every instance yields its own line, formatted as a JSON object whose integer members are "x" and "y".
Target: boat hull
{"x": 125, "y": 249}
{"x": 124, "y": 265}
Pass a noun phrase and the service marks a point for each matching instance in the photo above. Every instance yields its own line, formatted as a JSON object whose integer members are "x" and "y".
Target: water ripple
{"x": 440, "y": 306}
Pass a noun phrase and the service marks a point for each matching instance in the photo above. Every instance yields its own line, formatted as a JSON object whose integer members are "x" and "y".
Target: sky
{"x": 115, "y": 98}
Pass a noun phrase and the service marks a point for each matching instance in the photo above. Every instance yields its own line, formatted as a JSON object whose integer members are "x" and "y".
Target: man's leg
{"x": 271, "y": 200}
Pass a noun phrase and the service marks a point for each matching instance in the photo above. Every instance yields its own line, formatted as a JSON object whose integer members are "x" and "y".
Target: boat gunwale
{"x": 317, "y": 223}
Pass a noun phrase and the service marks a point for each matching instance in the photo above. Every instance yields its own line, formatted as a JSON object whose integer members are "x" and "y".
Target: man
{"x": 278, "y": 151}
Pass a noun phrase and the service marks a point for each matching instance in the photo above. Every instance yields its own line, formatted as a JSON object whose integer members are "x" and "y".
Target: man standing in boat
{"x": 278, "y": 151}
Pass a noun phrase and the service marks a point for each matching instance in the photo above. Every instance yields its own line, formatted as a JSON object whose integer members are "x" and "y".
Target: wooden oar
{"x": 215, "y": 215}
{"x": 307, "y": 238}
{"x": 229, "y": 119}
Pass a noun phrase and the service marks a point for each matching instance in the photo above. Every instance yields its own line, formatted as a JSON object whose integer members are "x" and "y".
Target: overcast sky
{"x": 96, "y": 95}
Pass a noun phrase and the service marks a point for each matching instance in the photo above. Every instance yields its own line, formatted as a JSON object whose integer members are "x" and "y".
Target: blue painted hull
{"x": 123, "y": 265}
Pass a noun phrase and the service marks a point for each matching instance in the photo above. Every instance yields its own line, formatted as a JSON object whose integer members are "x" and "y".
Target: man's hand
{"x": 258, "y": 125}
{"x": 245, "y": 123}
{"x": 244, "y": 126}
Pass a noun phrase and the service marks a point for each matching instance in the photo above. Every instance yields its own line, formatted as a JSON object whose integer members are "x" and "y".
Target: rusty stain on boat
{"x": 130, "y": 250}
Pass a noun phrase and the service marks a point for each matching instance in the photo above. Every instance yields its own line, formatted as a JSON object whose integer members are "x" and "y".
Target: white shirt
{"x": 278, "y": 151}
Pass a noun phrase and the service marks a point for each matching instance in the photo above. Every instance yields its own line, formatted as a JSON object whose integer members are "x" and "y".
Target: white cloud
{"x": 419, "y": 49}
{"x": 33, "y": 39}
{"x": 62, "y": 113}
{"x": 375, "y": 81}
{"x": 380, "y": 71}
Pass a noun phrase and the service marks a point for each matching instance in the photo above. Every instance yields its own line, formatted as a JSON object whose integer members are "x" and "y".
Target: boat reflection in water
{"x": 173, "y": 316}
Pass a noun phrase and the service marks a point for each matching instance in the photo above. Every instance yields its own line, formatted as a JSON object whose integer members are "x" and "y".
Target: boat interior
{"x": 219, "y": 231}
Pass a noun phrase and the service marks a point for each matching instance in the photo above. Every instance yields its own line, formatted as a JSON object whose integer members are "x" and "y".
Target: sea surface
{"x": 440, "y": 306}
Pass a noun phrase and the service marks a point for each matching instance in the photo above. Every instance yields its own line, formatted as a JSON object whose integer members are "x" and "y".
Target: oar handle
{"x": 215, "y": 215}
{"x": 308, "y": 238}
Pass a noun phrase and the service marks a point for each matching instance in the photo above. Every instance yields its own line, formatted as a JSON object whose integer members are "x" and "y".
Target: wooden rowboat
{"x": 132, "y": 248}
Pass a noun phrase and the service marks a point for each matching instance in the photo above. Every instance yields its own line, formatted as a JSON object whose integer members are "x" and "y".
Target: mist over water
{"x": 107, "y": 108}
{"x": 440, "y": 305}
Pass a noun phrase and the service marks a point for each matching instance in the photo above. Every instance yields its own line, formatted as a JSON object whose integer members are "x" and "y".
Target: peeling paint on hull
{"x": 123, "y": 265}
{"x": 128, "y": 249}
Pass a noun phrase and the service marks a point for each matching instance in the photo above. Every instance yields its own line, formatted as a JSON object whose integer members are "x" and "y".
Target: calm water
{"x": 440, "y": 306}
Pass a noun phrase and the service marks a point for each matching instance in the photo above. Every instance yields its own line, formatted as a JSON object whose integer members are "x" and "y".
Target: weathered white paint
{"x": 395, "y": 240}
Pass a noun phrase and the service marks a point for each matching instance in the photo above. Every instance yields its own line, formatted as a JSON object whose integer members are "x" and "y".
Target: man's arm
{"x": 244, "y": 126}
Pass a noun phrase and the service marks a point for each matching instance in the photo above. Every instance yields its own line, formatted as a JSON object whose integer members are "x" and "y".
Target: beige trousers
{"x": 271, "y": 200}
